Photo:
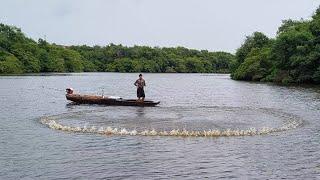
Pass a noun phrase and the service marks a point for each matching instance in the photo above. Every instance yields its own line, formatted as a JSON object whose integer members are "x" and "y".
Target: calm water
{"x": 206, "y": 126}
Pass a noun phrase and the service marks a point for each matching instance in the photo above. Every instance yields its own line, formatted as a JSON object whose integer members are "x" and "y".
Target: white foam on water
{"x": 289, "y": 124}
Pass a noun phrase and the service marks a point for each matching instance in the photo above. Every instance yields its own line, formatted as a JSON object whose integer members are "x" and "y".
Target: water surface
{"x": 207, "y": 125}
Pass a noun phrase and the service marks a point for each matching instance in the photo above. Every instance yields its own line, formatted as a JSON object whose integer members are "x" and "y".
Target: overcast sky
{"x": 200, "y": 24}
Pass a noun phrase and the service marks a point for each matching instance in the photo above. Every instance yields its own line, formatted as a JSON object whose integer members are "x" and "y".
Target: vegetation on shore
{"x": 293, "y": 56}
{"x": 20, "y": 54}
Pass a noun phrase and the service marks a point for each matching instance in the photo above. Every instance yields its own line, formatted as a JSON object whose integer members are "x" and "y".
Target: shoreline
{"x": 304, "y": 85}
{"x": 68, "y": 73}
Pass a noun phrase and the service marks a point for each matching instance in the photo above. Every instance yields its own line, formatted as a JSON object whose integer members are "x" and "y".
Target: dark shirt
{"x": 140, "y": 83}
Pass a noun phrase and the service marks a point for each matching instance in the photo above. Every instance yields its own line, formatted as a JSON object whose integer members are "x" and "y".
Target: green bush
{"x": 292, "y": 57}
{"x": 10, "y": 65}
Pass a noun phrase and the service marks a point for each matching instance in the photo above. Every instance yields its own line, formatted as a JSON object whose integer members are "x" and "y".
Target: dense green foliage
{"x": 117, "y": 58}
{"x": 292, "y": 57}
{"x": 19, "y": 54}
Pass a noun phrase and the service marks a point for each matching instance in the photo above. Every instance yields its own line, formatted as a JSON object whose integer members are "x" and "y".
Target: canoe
{"x": 108, "y": 100}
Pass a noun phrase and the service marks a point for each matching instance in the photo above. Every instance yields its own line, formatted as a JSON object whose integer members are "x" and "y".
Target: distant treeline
{"x": 292, "y": 57}
{"x": 20, "y": 54}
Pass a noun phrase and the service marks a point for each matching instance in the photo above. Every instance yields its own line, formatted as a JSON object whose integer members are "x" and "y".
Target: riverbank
{"x": 291, "y": 57}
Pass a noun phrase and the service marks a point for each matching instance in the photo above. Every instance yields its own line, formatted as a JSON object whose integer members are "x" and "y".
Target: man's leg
{"x": 143, "y": 94}
{"x": 138, "y": 96}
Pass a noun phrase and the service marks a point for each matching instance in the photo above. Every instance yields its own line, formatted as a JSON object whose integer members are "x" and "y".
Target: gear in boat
{"x": 106, "y": 100}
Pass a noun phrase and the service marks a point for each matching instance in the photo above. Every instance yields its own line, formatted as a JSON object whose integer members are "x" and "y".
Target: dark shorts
{"x": 140, "y": 93}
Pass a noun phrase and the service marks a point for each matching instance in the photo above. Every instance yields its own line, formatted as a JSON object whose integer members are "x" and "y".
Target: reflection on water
{"x": 269, "y": 131}
{"x": 140, "y": 112}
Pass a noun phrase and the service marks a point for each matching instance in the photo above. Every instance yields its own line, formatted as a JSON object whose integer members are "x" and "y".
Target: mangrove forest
{"x": 293, "y": 56}
{"x": 20, "y": 54}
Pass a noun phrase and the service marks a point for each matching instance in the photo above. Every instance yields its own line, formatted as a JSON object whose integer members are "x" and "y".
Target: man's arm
{"x": 136, "y": 83}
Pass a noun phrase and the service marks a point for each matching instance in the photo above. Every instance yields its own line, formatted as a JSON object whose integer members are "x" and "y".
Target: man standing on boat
{"x": 140, "y": 83}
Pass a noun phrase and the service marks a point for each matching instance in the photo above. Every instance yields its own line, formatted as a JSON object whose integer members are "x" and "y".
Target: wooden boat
{"x": 111, "y": 101}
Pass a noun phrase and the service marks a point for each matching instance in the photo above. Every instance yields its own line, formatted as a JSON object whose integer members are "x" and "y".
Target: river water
{"x": 206, "y": 126}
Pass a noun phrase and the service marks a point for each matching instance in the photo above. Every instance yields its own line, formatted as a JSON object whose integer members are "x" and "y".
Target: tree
{"x": 72, "y": 60}
{"x": 292, "y": 57}
{"x": 256, "y": 40}
{"x": 255, "y": 67}
{"x": 194, "y": 65}
{"x": 9, "y": 64}
{"x": 42, "y": 56}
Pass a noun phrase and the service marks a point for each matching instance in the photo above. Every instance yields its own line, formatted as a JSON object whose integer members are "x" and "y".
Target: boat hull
{"x": 88, "y": 99}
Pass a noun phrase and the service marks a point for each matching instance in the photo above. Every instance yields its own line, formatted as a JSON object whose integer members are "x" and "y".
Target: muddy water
{"x": 206, "y": 126}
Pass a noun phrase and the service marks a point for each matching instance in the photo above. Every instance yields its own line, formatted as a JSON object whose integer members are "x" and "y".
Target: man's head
{"x": 140, "y": 76}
